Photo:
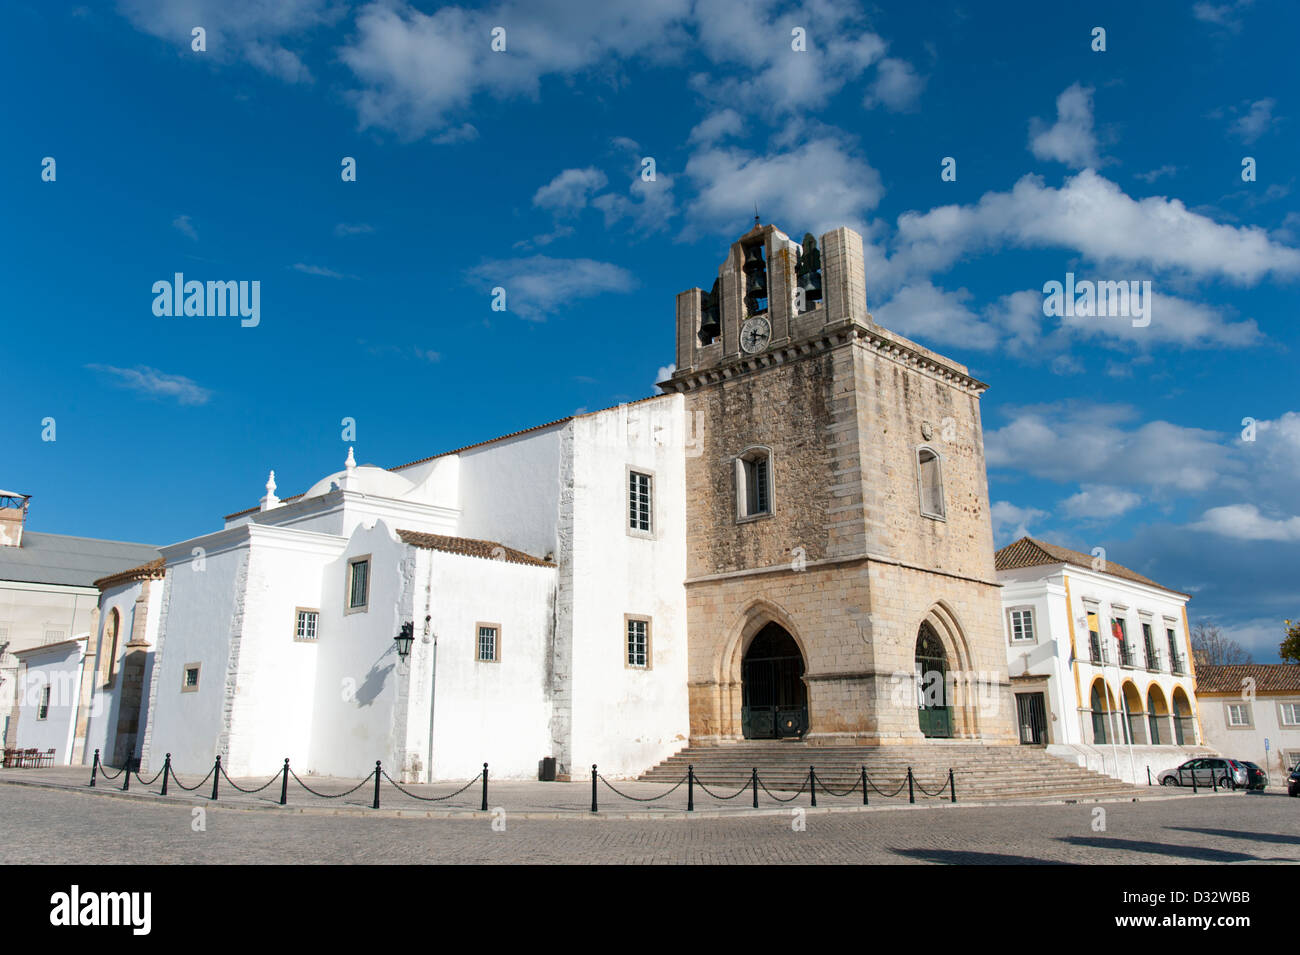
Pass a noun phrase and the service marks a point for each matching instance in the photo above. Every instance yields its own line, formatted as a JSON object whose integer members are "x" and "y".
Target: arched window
{"x": 754, "y": 483}
{"x": 929, "y": 475}
{"x": 108, "y": 648}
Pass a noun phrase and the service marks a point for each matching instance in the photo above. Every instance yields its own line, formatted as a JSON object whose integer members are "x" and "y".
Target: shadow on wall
{"x": 373, "y": 684}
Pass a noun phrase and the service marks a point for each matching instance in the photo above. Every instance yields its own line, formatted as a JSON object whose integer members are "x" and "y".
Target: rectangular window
{"x": 1175, "y": 658}
{"x": 1238, "y": 714}
{"x": 305, "y": 624}
{"x": 1291, "y": 714}
{"x": 43, "y": 711}
{"x": 1149, "y": 644}
{"x": 639, "y": 501}
{"x": 489, "y": 642}
{"x": 190, "y": 678}
{"x": 638, "y": 642}
{"x": 754, "y": 484}
{"x": 1022, "y": 625}
{"x": 358, "y": 584}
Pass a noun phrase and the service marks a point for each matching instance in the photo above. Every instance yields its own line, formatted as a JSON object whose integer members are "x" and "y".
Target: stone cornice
{"x": 872, "y": 336}
{"x": 865, "y": 556}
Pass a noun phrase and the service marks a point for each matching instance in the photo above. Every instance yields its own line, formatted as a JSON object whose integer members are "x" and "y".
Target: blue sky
{"x": 522, "y": 169}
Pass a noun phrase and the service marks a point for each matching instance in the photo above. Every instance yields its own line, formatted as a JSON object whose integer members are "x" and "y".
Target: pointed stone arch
{"x": 744, "y": 625}
{"x": 961, "y": 683}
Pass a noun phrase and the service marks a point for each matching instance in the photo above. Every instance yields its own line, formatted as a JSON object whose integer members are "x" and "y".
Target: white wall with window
{"x": 1248, "y": 705}
{"x": 1061, "y": 623}
{"x": 47, "y": 688}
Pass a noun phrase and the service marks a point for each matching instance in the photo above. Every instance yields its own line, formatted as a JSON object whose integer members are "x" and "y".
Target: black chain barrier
{"x": 190, "y": 789}
{"x": 677, "y": 786}
{"x": 901, "y": 787}
{"x": 804, "y": 786}
{"x": 331, "y": 795}
{"x": 827, "y": 789}
{"x": 398, "y": 787}
{"x": 273, "y": 779}
{"x": 741, "y": 791}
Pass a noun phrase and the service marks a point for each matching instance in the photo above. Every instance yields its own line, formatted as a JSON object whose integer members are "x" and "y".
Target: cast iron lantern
{"x": 405, "y": 639}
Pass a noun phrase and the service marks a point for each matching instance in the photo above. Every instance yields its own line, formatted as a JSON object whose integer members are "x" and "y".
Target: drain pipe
{"x": 433, "y": 665}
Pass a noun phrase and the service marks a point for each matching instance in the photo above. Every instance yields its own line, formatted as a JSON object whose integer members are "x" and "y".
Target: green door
{"x": 934, "y": 708}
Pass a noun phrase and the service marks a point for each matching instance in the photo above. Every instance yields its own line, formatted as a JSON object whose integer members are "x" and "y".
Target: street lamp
{"x": 404, "y": 639}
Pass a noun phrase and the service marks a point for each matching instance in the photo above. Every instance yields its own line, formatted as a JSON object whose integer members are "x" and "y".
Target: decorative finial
{"x": 351, "y": 462}
{"x": 756, "y": 222}
{"x": 270, "y": 500}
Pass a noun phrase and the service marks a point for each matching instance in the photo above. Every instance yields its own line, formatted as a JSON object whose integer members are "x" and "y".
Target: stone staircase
{"x": 980, "y": 771}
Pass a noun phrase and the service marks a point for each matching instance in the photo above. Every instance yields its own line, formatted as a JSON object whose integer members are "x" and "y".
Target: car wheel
{"x": 1169, "y": 781}
{"x": 1226, "y": 783}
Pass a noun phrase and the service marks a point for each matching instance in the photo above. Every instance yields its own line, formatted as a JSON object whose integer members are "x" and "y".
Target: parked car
{"x": 1256, "y": 778}
{"x": 1207, "y": 770}
{"x": 1293, "y": 781}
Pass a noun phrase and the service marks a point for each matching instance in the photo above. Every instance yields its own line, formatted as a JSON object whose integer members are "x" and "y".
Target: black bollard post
{"x": 126, "y": 776}
{"x": 812, "y": 784}
{"x": 911, "y": 796}
{"x": 690, "y": 788}
{"x": 216, "y": 775}
{"x": 284, "y": 783}
{"x": 952, "y": 786}
{"x": 1194, "y": 789}
{"x": 1214, "y": 781}
{"x": 864, "y": 787}
{"x": 94, "y": 769}
{"x": 753, "y": 781}
{"x": 167, "y": 768}
{"x": 1148, "y": 774}
{"x": 483, "y": 807}
{"x": 593, "y": 787}
{"x": 377, "y": 776}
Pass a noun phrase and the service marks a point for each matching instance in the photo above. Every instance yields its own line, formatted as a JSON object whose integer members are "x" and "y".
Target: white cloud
{"x": 1155, "y": 174}
{"x": 185, "y": 226}
{"x": 1223, "y": 15}
{"x": 717, "y": 126}
{"x": 538, "y": 286}
{"x": 815, "y": 187}
{"x": 1011, "y": 522}
{"x": 1245, "y": 522}
{"x": 1101, "y": 444}
{"x": 1100, "y": 502}
{"x": 665, "y": 372}
{"x": 897, "y": 86}
{"x": 1255, "y": 123}
{"x": 319, "y": 270}
{"x": 1071, "y": 139}
{"x": 932, "y": 315}
{"x": 570, "y": 191}
{"x": 253, "y": 30}
{"x": 344, "y": 229}
{"x": 1091, "y": 216}
{"x": 156, "y": 384}
{"x": 464, "y": 133}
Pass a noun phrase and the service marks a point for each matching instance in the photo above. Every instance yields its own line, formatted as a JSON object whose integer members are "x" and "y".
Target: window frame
{"x": 43, "y": 705}
{"x": 315, "y": 628}
{"x": 347, "y": 592}
{"x": 108, "y": 662}
{"x": 1281, "y": 713}
{"x": 628, "y": 620}
{"x": 1011, "y": 625}
{"x": 741, "y": 481}
{"x": 942, "y": 514}
{"x": 1246, "y": 710}
{"x": 629, "y": 472}
{"x": 496, "y": 642}
{"x": 197, "y": 667}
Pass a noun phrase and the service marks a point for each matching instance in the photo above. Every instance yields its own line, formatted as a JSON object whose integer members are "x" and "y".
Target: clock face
{"x": 755, "y": 334}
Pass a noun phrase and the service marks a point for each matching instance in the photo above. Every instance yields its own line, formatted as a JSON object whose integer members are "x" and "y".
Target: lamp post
{"x": 404, "y": 639}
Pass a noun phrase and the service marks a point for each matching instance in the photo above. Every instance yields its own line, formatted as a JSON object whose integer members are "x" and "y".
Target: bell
{"x": 811, "y": 283}
{"x": 754, "y": 259}
{"x": 756, "y": 284}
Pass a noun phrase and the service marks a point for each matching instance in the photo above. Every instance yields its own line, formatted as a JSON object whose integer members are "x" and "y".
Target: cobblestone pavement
{"x": 45, "y": 825}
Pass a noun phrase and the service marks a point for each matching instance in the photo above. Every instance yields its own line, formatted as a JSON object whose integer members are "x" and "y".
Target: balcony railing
{"x": 1094, "y": 650}
{"x": 1178, "y": 666}
{"x": 1153, "y": 659}
{"x": 1126, "y": 656}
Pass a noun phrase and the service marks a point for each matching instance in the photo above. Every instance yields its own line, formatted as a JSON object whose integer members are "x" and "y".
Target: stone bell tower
{"x": 838, "y": 536}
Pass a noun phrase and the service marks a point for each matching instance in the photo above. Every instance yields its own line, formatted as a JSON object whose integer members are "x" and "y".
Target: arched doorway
{"x": 1157, "y": 713}
{"x": 1100, "y": 702}
{"x": 934, "y": 709}
{"x": 1184, "y": 734}
{"x": 1132, "y": 703}
{"x": 774, "y": 700}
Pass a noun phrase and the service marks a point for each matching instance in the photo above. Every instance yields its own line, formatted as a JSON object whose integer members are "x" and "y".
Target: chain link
{"x": 763, "y": 785}
{"x": 642, "y": 798}
{"x": 331, "y": 795}
{"x": 399, "y": 788}
{"x": 273, "y": 779}
{"x": 190, "y": 789}
{"x": 827, "y": 789}
{"x": 742, "y": 789}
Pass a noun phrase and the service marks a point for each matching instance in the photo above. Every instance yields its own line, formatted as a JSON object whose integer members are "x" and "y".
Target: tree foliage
{"x": 1211, "y": 647}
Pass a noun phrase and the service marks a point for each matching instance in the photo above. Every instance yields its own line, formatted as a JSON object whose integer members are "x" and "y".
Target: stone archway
{"x": 1157, "y": 716}
{"x": 1133, "y": 728}
{"x": 774, "y": 697}
{"x": 1184, "y": 731}
{"x": 1101, "y": 702}
{"x": 941, "y": 646}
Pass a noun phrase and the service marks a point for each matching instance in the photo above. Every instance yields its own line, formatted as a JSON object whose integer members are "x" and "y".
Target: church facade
{"x": 793, "y": 540}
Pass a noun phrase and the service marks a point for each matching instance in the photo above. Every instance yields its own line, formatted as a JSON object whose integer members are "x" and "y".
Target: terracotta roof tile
{"x": 1028, "y": 552}
{"x": 1275, "y": 677}
{"x": 153, "y": 570}
{"x": 471, "y": 547}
